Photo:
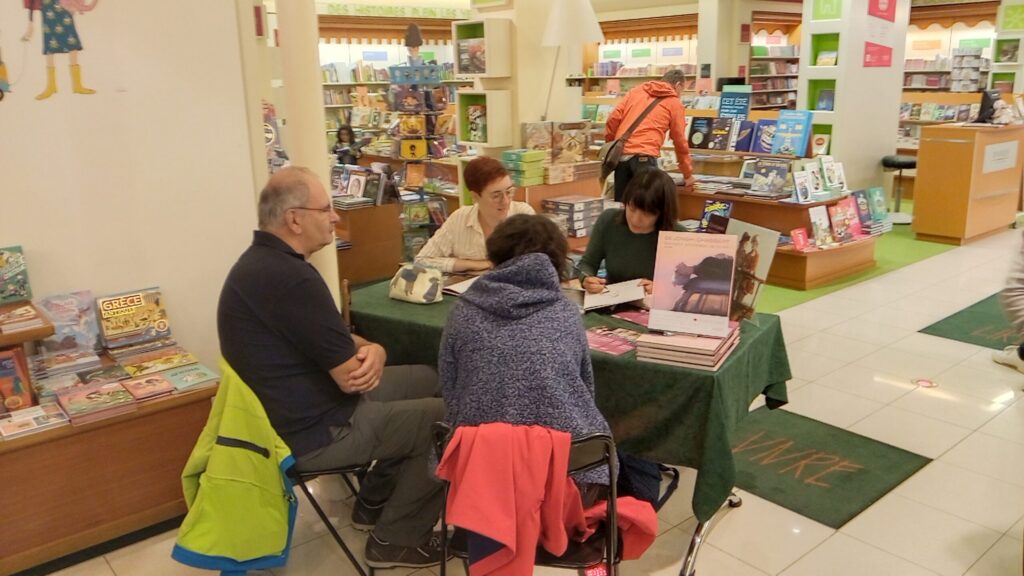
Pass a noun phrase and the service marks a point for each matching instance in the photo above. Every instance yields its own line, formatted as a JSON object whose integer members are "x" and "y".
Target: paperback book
{"x": 14, "y": 285}
{"x": 792, "y": 132}
{"x": 770, "y": 175}
{"x": 764, "y": 136}
{"x": 89, "y": 403}
{"x": 32, "y": 420}
{"x": 147, "y": 387}
{"x": 15, "y": 389}
{"x": 822, "y": 230}
{"x": 132, "y": 317}
{"x": 693, "y": 276}
{"x": 841, "y": 223}
{"x": 720, "y": 207}
{"x": 193, "y": 377}
{"x": 73, "y": 316}
{"x": 614, "y": 341}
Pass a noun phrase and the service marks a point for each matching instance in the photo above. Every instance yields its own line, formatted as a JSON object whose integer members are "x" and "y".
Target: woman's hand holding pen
{"x": 593, "y": 284}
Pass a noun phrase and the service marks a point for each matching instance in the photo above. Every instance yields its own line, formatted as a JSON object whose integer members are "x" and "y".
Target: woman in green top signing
{"x": 627, "y": 239}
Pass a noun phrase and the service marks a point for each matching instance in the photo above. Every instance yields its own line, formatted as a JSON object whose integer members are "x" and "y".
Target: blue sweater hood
{"x": 517, "y": 288}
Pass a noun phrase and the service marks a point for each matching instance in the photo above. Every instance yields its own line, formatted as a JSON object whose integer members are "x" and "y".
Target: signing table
{"x": 666, "y": 413}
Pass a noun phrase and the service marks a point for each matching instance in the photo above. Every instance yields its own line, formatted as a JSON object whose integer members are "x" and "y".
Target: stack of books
{"x": 52, "y": 372}
{"x": 581, "y": 212}
{"x": 879, "y": 226}
{"x": 19, "y": 318}
{"x": 84, "y": 404}
{"x": 526, "y": 167}
{"x": 689, "y": 351}
{"x": 351, "y": 202}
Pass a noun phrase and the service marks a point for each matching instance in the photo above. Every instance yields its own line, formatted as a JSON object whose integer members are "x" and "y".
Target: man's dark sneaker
{"x": 365, "y": 516}
{"x": 381, "y": 554}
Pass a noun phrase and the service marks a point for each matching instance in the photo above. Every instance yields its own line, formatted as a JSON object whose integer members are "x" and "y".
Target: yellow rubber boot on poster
{"x": 51, "y": 84}
{"x": 76, "y": 81}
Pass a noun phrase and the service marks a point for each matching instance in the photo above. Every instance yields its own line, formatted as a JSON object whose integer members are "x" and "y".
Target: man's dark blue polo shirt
{"x": 281, "y": 332}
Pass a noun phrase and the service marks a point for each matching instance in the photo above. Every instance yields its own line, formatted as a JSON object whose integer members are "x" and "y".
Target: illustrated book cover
{"x": 754, "y": 254}
{"x": 693, "y": 276}
{"x": 132, "y": 317}
{"x": 763, "y": 137}
{"x": 14, "y": 285}
{"x": 720, "y": 207}
{"x": 820, "y": 226}
{"x": 149, "y": 386}
{"x": 191, "y": 377}
{"x": 792, "y": 132}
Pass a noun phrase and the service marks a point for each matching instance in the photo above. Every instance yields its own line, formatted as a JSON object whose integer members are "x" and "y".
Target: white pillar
{"x": 299, "y": 35}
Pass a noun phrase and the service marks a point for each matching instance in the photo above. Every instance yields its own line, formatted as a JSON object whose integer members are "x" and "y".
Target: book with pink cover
{"x": 689, "y": 343}
{"x": 693, "y": 276}
{"x": 614, "y": 341}
{"x": 849, "y": 207}
{"x": 841, "y": 223}
{"x": 148, "y": 386}
{"x": 800, "y": 240}
{"x": 88, "y": 403}
{"x": 634, "y": 315}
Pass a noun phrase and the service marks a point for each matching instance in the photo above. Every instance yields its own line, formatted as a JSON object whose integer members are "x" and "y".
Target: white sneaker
{"x": 1008, "y": 357}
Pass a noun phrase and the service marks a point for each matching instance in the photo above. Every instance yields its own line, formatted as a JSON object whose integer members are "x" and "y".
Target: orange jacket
{"x": 649, "y": 136}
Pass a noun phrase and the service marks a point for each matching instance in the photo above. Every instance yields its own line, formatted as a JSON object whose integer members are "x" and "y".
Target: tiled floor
{"x": 855, "y": 354}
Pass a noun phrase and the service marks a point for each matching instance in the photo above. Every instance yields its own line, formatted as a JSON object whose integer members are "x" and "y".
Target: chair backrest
{"x": 585, "y": 453}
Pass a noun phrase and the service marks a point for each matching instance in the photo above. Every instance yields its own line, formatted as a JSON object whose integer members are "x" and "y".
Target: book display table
{"x": 666, "y": 413}
{"x": 73, "y": 487}
{"x": 790, "y": 268}
{"x": 968, "y": 181}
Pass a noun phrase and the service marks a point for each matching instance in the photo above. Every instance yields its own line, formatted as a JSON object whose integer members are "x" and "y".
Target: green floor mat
{"x": 819, "y": 471}
{"x": 982, "y": 323}
{"x": 893, "y": 250}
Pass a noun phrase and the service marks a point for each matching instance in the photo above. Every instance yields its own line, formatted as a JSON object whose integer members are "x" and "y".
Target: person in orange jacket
{"x": 643, "y": 148}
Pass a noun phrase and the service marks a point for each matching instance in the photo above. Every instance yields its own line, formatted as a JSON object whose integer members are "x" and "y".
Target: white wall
{"x": 147, "y": 182}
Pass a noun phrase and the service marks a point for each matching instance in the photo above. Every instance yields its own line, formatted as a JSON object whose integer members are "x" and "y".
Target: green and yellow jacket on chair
{"x": 241, "y": 509}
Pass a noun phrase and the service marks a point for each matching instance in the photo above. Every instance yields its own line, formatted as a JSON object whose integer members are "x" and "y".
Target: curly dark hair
{"x": 526, "y": 234}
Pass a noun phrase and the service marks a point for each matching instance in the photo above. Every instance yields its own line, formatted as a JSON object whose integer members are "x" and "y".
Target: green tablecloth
{"x": 665, "y": 413}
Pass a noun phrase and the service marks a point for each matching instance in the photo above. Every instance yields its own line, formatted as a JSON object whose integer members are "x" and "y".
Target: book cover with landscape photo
{"x": 693, "y": 276}
{"x": 14, "y": 286}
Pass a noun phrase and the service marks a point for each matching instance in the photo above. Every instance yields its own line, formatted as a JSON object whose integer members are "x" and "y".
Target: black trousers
{"x": 625, "y": 171}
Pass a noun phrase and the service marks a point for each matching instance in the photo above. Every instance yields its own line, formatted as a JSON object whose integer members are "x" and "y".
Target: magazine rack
{"x": 77, "y": 486}
{"x": 791, "y": 268}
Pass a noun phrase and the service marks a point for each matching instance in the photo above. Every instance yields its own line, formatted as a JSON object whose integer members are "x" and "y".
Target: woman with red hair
{"x": 460, "y": 244}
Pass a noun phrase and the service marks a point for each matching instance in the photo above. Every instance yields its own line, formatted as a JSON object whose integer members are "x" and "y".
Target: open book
{"x": 458, "y": 288}
{"x": 620, "y": 293}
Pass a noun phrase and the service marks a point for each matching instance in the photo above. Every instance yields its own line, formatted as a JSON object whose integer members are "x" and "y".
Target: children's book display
{"x": 693, "y": 277}
{"x": 69, "y": 379}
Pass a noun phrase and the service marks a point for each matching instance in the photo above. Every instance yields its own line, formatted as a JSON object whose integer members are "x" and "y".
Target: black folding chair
{"x": 346, "y": 473}
{"x": 586, "y": 453}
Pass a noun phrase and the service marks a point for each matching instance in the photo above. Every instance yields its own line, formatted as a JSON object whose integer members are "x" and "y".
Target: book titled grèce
{"x": 132, "y": 317}
{"x": 693, "y": 276}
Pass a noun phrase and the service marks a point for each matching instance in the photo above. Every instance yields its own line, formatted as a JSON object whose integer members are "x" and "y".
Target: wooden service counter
{"x": 968, "y": 181}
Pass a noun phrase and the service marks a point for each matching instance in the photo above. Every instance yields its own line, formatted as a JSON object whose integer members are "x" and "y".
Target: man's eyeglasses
{"x": 324, "y": 210}
{"x": 499, "y": 194}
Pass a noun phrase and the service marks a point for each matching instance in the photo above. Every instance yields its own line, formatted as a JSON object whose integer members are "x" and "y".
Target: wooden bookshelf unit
{"x": 22, "y": 336}
{"x": 376, "y": 236}
{"x": 790, "y": 268}
{"x": 73, "y": 487}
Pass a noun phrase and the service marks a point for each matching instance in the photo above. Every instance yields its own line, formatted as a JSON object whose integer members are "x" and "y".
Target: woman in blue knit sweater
{"x": 514, "y": 349}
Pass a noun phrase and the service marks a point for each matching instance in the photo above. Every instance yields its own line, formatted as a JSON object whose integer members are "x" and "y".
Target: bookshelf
{"x": 773, "y": 74}
{"x": 494, "y": 107}
{"x": 483, "y": 47}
